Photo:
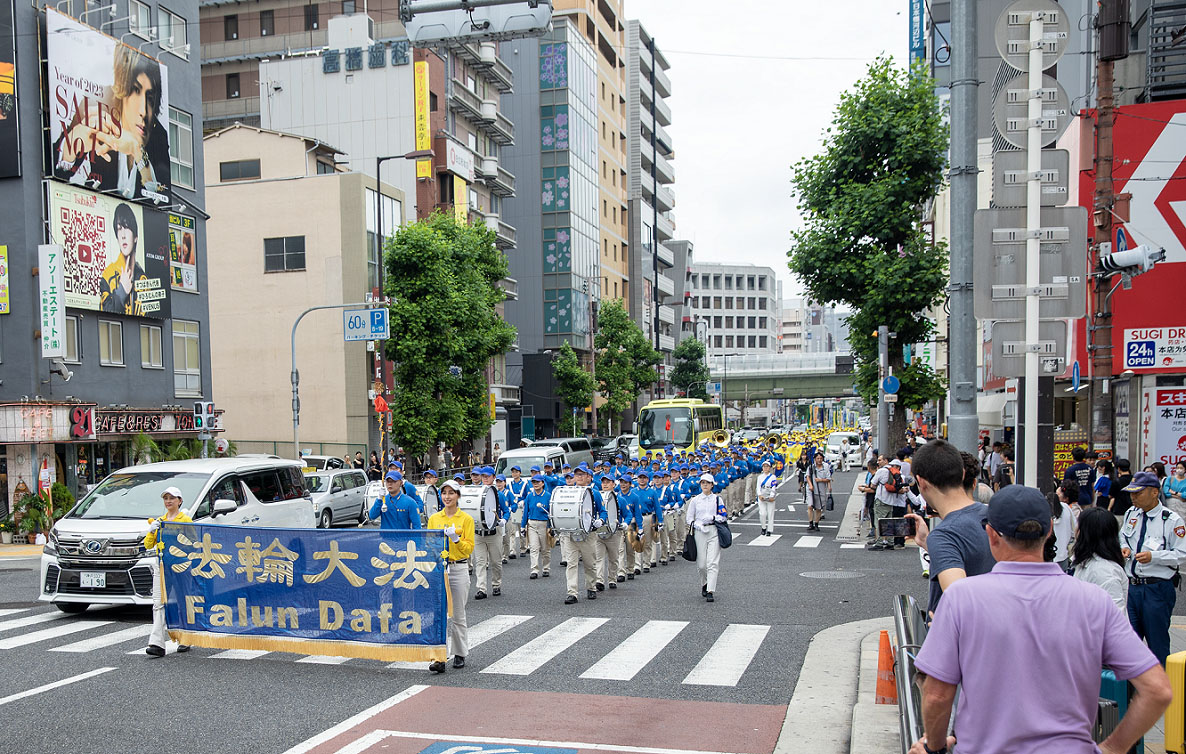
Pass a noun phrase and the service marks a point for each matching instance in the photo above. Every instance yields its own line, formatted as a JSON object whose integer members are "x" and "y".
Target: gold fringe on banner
{"x": 360, "y": 650}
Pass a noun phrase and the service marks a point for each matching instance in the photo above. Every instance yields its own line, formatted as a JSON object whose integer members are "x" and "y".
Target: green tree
{"x": 574, "y": 386}
{"x": 690, "y": 373}
{"x": 625, "y": 358}
{"x": 863, "y": 243}
{"x": 443, "y": 277}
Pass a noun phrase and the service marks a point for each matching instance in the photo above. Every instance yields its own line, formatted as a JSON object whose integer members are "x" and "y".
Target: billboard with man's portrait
{"x": 108, "y": 113}
{"x": 115, "y": 253}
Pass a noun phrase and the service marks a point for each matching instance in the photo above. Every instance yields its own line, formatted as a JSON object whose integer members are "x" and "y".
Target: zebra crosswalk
{"x": 616, "y": 649}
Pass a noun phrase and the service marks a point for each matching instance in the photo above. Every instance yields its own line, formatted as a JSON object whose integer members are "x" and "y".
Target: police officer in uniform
{"x": 1153, "y": 542}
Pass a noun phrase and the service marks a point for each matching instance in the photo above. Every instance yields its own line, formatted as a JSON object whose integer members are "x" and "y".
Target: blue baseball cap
{"x": 566, "y": 466}
{"x": 626, "y": 478}
{"x": 548, "y": 463}
{"x": 394, "y": 476}
{"x": 516, "y": 468}
{"x": 500, "y": 478}
{"x": 569, "y": 475}
{"x": 535, "y": 468}
{"x": 487, "y": 471}
{"x": 430, "y": 472}
{"x": 459, "y": 477}
{"x": 538, "y": 478}
{"x": 643, "y": 472}
{"x": 398, "y": 465}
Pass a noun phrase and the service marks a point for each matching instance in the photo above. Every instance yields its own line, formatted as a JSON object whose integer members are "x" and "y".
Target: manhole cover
{"x": 831, "y": 575}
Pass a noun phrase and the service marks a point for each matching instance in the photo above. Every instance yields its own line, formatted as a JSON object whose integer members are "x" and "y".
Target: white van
{"x": 95, "y": 554}
{"x": 525, "y": 458}
{"x": 843, "y": 456}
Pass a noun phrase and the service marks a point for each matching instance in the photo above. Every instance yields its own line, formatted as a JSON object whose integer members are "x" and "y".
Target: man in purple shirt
{"x": 1028, "y": 685}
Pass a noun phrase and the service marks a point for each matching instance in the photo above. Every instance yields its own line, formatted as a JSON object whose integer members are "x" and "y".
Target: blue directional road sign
{"x": 365, "y": 324}
{"x": 1075, "y": 378}
{"x": 891, "y": 385}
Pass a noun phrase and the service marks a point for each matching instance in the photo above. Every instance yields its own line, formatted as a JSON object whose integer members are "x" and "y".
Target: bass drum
{"x": 430, "y": 498}
{"x": 481, "y": 503}
{"x": 612, "y": 523}
{"x": 571, "y": 509}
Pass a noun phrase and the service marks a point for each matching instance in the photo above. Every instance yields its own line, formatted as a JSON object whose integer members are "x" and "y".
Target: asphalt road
{"x": 654, "y": 635}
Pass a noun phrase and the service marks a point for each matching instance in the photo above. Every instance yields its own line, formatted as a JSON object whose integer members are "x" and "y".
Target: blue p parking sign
{"x": 365, "y": 324}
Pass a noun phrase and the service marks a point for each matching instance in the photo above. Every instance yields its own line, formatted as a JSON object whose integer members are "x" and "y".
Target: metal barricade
{"x": 910, "y": 629}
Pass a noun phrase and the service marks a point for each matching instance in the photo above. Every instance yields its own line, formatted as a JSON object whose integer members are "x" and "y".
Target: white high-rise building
{"x": 739, "y": 303}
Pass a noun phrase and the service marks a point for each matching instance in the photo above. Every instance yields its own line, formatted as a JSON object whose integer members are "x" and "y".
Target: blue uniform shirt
{"x": 402, "y": 512}
{"x": 531, "y": 506}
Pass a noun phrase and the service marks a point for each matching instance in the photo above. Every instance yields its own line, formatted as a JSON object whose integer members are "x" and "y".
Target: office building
{"x": 809, "y": 327}
{"x": 102, "y": 269}
{"x": 739, "y": 306}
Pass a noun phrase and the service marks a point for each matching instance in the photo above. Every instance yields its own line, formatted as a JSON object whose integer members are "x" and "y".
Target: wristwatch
{"x": 929, "y": 750}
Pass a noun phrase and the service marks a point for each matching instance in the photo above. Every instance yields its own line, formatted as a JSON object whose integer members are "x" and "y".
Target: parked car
{"x": 749, "y": 435}
{"x": 321, "y": 463}
{"x": 525, "y": 458}
{"x": 339, "y": 496}
{"x": 95, "y": 554}
{"x": 576, "y": 449}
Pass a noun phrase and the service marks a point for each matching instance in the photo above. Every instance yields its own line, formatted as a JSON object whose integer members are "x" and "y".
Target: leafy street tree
{"x": 574, "y": 386}
{"x": 690, "y": 374}
{"x": 863, "y": 244}
{"x": 625, "y": 359}
{"x": 443, "y": 277}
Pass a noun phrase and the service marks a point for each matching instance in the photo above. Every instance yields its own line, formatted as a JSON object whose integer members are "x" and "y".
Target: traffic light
{"x": 1132, "y": 261}
{"x": 203, "y": 415}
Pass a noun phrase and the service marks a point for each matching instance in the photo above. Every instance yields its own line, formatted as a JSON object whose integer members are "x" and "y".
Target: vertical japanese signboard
{"x": 1169, "y": 434}
{"x": 183, "y": 270}
{"x": 51, "y": 275}
{"x": 5, "y": 303}
{"x": 460, "y": 199}
{"x": 423, "y": 137}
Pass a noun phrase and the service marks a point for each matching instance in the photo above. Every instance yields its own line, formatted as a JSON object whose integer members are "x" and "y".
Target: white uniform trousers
{"x": 625, "y": 553}
{"x": 662, "y": 546}
{"x": 572, "y": 551}
{"x": 609, "y": 567}
{"x": 766, "y": 514}
{"x": 488, "y": 556}
{"x": 708, "y": 556}
{"x": 511, "y": 539}
{"x": 537, "y": 539}
{"x": 458, "y": 575}
{"x": 160, "y": 634}
{"x": 681, "y": 531}
{"x": 646, "y": 532}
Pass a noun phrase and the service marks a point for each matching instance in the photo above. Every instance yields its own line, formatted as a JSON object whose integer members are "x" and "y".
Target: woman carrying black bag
{"x": 703, "y": 513}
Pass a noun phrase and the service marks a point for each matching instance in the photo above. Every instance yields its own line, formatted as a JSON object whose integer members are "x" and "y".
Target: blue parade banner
{"x": 366, "y": 593}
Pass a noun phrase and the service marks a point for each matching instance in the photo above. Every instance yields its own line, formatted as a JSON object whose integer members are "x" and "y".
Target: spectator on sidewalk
{"x": 958, "y": 546}
{"x": 1105, "y": 483}
{"x": 886, "y": 500}
{"x": 1096, "y": 555}
{"x": 1006, "y": 473}
{"x": 973, "y": 476}
{"x": 992, "y": 636}
{"x": 1064, "y": 525}
{"x": 1121, "y": 501}
{"x": 1153, "y": 543}
{"x": 870, "y": 492}
{"x": 1082, "y": 473}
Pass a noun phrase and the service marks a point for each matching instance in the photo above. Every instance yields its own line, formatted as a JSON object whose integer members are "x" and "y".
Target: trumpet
{"x": 721, "y": 438}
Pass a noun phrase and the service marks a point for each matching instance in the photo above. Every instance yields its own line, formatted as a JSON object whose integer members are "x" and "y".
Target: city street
{"x": 652, "y": 649}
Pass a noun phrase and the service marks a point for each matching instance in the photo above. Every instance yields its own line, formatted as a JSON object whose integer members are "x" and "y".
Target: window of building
{"x": 111, "y": 343}
{"x": 187, "y": 359}
{"x": 717, "y": 341}
{"x": 348, "y": 7}
{"x": 172, "y": 35}
{"x": 150, "y": 347}
{"x": 140, "y": 22}
{"x": 181, "y": 147}
{"x": 230, "y": 27}
{"x": 605, "y": 248}
{"x": 312, "y": 20}
{"x": 762, "y": 304}
{"x": 761, "y": 322}
{"x": 704, "y": 281}
{"x": 284, "y": 254}
{"x": 232, "y": 86}
{"x": 741, "y": 302}
{"x": 749, "y": 283}
{"x": 752, "y": 322}
{"x": 238, "y": 170}
{"x": 729, "y": 302}
{"x": 615, "y": 211}
{"x": 729, "y": 322}
{"x": 472, "y": 83}
{"x": 616, "y": 289}
{"x": 73, "y": 342}
{"x": 716, "y": 282}
{"x": 432, "y": 102}
{"x": 615, "y": 252}
{"x": 267, "y": 23}
{"x": 753, "y": 341}
{"x": 716, "y": 322}
{"x": 761, "y": 341}
{"x": 728, "y": 341}
{"x": 445, "y": 188}
{"x": 716, "y": 302}
{"x": 761, "y": 282}
{"x": 324, "y": 168}
{"x": 728, "y": 282}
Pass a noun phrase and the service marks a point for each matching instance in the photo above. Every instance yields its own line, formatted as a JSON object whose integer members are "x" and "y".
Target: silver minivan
{"x": 95, "y": 554}
{"x": 339, "y": 496}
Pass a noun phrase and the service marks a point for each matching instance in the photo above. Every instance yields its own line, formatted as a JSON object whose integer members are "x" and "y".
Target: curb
{"x": 850, "y": 523}
{"x": 824, "y": 716}
{"x": 20, "y": 551}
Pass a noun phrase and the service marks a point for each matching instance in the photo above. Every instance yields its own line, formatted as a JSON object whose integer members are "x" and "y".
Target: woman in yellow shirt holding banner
{"x": 156, "y": 642}
{"x": 459, "y": 528}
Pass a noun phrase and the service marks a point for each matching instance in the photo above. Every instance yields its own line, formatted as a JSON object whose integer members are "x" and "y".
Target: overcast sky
{"x": 741, "y": 116}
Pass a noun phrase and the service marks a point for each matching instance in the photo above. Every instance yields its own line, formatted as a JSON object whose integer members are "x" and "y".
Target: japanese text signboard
{"x": 51, "y": 275}
{"x": 377, "y": 595}
{"x": 1155, "y": 348}
{"x": 1169, "y": 417}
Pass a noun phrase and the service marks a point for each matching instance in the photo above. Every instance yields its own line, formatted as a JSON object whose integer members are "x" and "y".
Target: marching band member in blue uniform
{"x": 628, "y": 503}
{"x": 396, "y": 509}
{"x": 517, "y": 487}
{"x": 535, "y": 521}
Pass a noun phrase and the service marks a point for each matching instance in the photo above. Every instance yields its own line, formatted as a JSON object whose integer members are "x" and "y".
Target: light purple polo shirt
{"x": 1028, "y": 643}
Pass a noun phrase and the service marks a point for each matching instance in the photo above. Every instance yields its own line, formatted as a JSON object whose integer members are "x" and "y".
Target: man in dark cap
{"x": 1153, "y": 542}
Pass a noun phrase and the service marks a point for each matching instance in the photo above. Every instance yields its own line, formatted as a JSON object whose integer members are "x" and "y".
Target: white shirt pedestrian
{"x": 702, "y": 514}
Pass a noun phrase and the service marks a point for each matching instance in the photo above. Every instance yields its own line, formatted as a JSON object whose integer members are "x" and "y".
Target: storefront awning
{"x": 990, "y": 409}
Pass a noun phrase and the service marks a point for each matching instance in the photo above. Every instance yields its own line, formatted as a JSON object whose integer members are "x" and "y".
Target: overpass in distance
{"x": 789, "y": 376}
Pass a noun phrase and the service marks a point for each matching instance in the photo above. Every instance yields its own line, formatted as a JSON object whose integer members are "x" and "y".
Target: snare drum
{"x": 481, "y": 503}
{"x": 430, "y": 501}
{"x": 610, "y": 502}
{"x": 571, "y": 509}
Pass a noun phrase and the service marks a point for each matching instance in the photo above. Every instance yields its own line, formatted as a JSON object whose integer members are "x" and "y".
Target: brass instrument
{"x": 721, "y": 438}
{"x": 774, "y": 441}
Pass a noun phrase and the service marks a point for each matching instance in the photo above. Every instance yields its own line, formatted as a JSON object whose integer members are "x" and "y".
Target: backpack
{"x": 895, "y": 485}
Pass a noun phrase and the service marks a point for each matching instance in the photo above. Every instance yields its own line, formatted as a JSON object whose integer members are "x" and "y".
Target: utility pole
{"x": 1114, "y": 30}
{"x": 963, "y": 423}
{"x": 882, "y": 404}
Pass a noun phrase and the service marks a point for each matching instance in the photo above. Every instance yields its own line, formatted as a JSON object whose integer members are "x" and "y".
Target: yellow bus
{"x": 681, "y": 422}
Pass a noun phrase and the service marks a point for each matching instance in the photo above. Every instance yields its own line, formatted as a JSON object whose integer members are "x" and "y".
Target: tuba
{"x": 774, "y": 441}
{"x": 721, "y": 438}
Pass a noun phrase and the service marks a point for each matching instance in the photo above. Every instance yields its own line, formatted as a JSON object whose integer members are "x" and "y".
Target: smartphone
{"x": 896, "y": 527}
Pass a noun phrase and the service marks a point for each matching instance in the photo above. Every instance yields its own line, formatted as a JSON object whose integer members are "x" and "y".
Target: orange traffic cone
{"x": 887, "y": 682}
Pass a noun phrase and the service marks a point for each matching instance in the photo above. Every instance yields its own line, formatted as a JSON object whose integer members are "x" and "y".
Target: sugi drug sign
{"x": 1169, "y": 418}
{"x": 1155, "y": 348}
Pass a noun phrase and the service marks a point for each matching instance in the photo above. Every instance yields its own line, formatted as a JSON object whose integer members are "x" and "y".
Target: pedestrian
{"x": 1121, "y": 501}
{"x": 1096, "y": 556}
{"x": 375, "y": 469}
{"x": 890, "y": 495}
{"x": 703, "y": 512}
{"x": 395, "y": 510}
{"x": 497, "y": 451}
{"x": 171, "y": 498}
{"x": 1063, "y": 531}
{"x": 1174, "y": 486}
{"x": 957, "y": 546}
{"x": 1153, "y": 543}
{"x": 819, "y": 476}
{"x": 767, "y": 492}
{"x": 458, "y": 527}
{"x": 1105, "y": 481}
{"x": 578, "y": 546}
{"x": 973, "y": 475}
{"x": 359, "y": 463}
{"x": 1006, "y": 472}
{"x": 992, "y": 636}
{"x": 870, "y": 492}
{"x": 1083, "y": 473}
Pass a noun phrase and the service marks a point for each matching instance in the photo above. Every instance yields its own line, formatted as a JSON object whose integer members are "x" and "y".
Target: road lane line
{"x": 761, "y": 541}
{"x": 311, "y": 743}
{"x": 727, "y": 659}
{"x": 324, "y": 659}
{"x": 852, "y": 546}
{"x": 106, "y": 640}
{"x": 239, "y": 654}
{"x": 50, "y": 633}
{"x": 633, "y": 654}
{"x": 479, "y": 634}
{"x": 54, "y": 685}
{"x": 539, "y": 651}
{"x": 376, "y": 736}
{"x": 13, "y": 611}
{"x": 808, "y": 541}
{"x": 30, "y": 620}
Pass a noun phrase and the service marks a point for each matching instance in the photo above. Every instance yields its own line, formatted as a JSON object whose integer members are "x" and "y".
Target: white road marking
{"x": 30, "y": 620}
{"x": 808, "y": 541}
{"x": 239, "y": 654}
{"x": 730, "y": 655}
{"x": 633, "y": 654}
{"x": 50, "y": 633}
{"x": 106, "y": 640}
{"x": 326, "y": 660}
{"x": 852, "y": 546}
{"x": 54, "y": 685}
{"x": 13, "y": 611}
{"x": 536, "y": 653}
{"x": 312, "y": 743}
{"x": 761, "y": 541}
{"x": 479, "y": 634}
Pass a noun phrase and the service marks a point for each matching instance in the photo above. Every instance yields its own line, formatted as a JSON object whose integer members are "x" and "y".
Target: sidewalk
{"x": 20, "y": 551}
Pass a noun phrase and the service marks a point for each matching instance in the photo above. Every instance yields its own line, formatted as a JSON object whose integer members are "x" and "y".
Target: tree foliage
{"x": 574, "y": 386}
{"x": 443, "y": 277}
{"x": 625, "y": 358}
{"x": 863, "y": 244}
{"x": 690, "y": 373}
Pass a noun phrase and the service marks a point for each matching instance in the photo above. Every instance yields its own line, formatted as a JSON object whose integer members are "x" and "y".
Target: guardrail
{"x": 910, "y": 630}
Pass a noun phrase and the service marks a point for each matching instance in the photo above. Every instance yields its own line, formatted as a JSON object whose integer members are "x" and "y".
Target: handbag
{"x": 724, "y": 536}
{"x": 831, "y": 502}
{"x": 689, "y": 552}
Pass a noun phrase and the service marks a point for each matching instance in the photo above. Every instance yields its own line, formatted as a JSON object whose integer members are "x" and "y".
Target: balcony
{"x": 664, "y": 141}
{"x": 662, "y": 113}
{"x": 504, "y": 235}
{"x": 255, "y": 48}
{"x": 510, "y": 286}
{"x": 662, "y": 83}
{"x": 664, "y": 170}
{"x": 665, "y": 228}
{"x": 665, "y": 198}
{"x": 503, "y": 183}
{"x": 500, "y": 72}
{"x": 464, "y": 101}
{"x": 501, "y": 130}
{"x": 666, "y": 288}
{"x": 505, "y": 395}
{"x": 486, "y": 166}
{"x": 239, "y": 108}
{"x": 666, "y": 343}
{"x": 666, "y": 257}
{"x": 666, "y": 313}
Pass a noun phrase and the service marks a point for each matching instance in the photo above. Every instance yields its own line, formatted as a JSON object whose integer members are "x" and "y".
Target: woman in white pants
{"x": 767, "y": 491}
{"x": 702, "y": 513}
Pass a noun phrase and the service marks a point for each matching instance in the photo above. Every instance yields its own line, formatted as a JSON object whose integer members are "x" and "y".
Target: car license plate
{"x": 94, "y": 580}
